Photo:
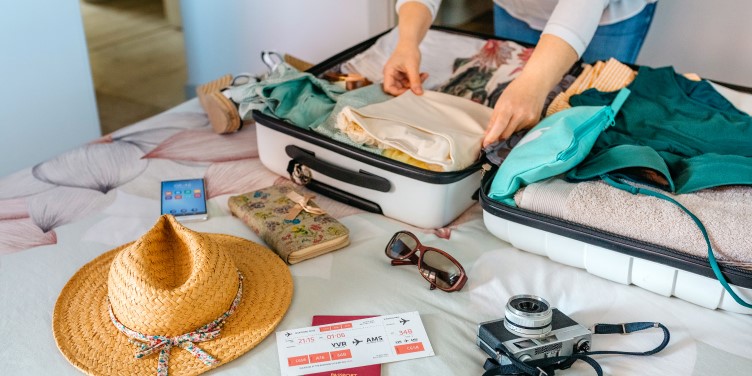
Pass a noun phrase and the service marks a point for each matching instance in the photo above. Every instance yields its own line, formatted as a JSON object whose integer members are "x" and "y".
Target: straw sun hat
{"x": 178, "y": 288}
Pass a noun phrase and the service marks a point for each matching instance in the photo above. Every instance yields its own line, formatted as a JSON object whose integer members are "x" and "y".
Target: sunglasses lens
{"x": 440, "y": 270}
{"x": 401, "y": 246}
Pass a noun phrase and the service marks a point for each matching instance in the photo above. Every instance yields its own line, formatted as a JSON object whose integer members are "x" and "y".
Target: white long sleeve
{"x": 574, "y": 21}
{"x": 432, "y": 5}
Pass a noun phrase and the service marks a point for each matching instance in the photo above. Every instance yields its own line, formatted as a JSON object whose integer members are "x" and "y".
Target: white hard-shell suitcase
{"x": 365, "y": 180}
{"x": 664, "y": 271}
{"x": 368, "y": 181}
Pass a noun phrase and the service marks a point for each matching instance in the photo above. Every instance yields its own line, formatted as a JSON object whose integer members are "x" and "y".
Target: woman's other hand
{"x": 521, "y": 104}
{"x": 519, "y": 107}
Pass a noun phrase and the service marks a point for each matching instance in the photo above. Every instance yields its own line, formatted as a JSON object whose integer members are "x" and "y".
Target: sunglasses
{"x": 439, "y": 268}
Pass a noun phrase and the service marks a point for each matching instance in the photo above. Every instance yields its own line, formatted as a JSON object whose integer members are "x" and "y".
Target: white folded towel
{"x": 726, "y": 213}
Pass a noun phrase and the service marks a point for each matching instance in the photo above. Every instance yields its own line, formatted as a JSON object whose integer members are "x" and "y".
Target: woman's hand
{"x": 401, "y": 71}
{"x": 519, "y": 107}
{"x": 521, "y": 104}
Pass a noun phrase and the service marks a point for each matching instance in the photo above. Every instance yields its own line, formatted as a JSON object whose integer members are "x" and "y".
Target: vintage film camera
{"x": 532, "y": 330}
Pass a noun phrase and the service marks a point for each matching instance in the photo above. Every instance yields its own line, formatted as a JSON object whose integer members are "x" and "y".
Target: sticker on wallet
{"x": 356, "y": 343}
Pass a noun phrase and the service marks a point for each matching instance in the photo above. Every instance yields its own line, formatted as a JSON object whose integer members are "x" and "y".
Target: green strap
{"x": 711, "y": 257}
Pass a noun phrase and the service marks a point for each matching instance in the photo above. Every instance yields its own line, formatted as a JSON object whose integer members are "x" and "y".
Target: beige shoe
{"x": 222, "y": 112}
{"x": 298, "y": 64}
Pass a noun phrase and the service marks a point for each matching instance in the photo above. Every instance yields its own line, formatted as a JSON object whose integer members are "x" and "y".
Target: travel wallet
{"x": 290, "y": 223}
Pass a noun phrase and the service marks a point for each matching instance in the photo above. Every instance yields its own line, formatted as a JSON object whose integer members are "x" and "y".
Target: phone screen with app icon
{"x": 184, "y": 199}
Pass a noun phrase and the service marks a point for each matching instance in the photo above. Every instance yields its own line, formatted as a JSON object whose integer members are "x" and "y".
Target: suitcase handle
{"x": 360, "y": 178}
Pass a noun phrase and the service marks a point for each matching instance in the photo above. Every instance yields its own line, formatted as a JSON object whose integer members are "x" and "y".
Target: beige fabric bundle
{"x": 434, "y": 128}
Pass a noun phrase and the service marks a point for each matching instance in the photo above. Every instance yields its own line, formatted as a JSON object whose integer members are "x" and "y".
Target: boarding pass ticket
{"x": 356, "y": 343}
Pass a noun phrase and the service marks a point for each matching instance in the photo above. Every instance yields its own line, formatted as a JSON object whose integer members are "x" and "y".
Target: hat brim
{"x": 88, "y": 339}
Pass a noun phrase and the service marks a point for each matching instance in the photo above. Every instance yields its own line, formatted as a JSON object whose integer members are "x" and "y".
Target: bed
{"x": 60, "y": 214}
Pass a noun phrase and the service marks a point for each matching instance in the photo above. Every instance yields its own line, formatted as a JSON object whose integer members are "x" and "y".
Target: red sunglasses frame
{"x": 412, "y": 259}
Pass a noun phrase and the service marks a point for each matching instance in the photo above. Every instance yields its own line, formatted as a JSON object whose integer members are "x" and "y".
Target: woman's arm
{"x": 401, "y": 71}
{"x": 521, "y": 103}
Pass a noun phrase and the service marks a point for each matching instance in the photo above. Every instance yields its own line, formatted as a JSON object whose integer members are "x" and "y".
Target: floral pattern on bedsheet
{"x": 131, "y": 161}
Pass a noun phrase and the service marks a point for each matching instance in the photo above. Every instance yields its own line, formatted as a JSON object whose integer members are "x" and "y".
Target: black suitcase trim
{"x": 632, "y": 247}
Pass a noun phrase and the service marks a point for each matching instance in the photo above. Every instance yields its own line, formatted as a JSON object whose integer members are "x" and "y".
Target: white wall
{"x": 710, "y": 38}
{"x": 227, "y": 36}
{"x": 47, "y": 103}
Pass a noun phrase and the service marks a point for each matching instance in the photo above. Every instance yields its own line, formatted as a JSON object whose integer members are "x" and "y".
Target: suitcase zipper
{"x": 608, "y": 111}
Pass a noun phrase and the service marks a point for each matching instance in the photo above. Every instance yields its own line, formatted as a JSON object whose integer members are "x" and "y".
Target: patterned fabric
{"x": 497, "y": 152}
{"x": 149, "y": 344}
{"x": 484, "y": 76}
{"x": 305, "y": 236}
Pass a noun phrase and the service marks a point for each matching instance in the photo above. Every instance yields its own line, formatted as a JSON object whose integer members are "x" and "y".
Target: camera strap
{"x": 548, "y": 366}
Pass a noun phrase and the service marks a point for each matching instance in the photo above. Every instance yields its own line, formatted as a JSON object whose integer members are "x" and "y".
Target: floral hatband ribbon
{"x": 302, "y": 204}
{"x": 149, "y": 344}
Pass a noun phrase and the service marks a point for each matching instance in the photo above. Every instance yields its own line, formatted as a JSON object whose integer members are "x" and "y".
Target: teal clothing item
{"x": 554, "y": 146}
{"x": 288, "y": 94}
{"x": 357, "y": 98}
{"x": 684, "y": 130}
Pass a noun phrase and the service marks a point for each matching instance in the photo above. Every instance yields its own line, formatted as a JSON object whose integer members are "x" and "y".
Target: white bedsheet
{"x": 359, "y": 280}
{"x": 83, "y": 222}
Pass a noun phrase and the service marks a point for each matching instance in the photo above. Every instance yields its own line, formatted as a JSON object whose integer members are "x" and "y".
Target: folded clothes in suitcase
{"x": 351, "y": 173}
{"x": 650, "y": 241}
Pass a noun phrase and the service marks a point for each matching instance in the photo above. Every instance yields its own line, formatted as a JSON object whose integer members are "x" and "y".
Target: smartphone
{"x": 185, "y": 199}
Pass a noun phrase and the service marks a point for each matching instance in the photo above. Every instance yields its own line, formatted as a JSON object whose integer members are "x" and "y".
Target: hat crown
{"x": 171, "y": 281}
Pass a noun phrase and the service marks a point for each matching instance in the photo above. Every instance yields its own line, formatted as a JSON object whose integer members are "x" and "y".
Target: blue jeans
{"x": 621, "y": 40}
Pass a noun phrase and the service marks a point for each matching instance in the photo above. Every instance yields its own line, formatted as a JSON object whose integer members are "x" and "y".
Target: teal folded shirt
{"x": 297, "y": 97}
{"x": 683, "y": 130}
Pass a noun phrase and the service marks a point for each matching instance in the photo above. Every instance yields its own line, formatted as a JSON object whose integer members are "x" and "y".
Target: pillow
{"x": 554, "y": 146}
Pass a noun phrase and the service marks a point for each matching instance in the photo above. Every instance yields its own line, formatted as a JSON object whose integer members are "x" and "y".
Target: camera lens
{"x": 528, "y": 316}
{"x": 529, "y": 305}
